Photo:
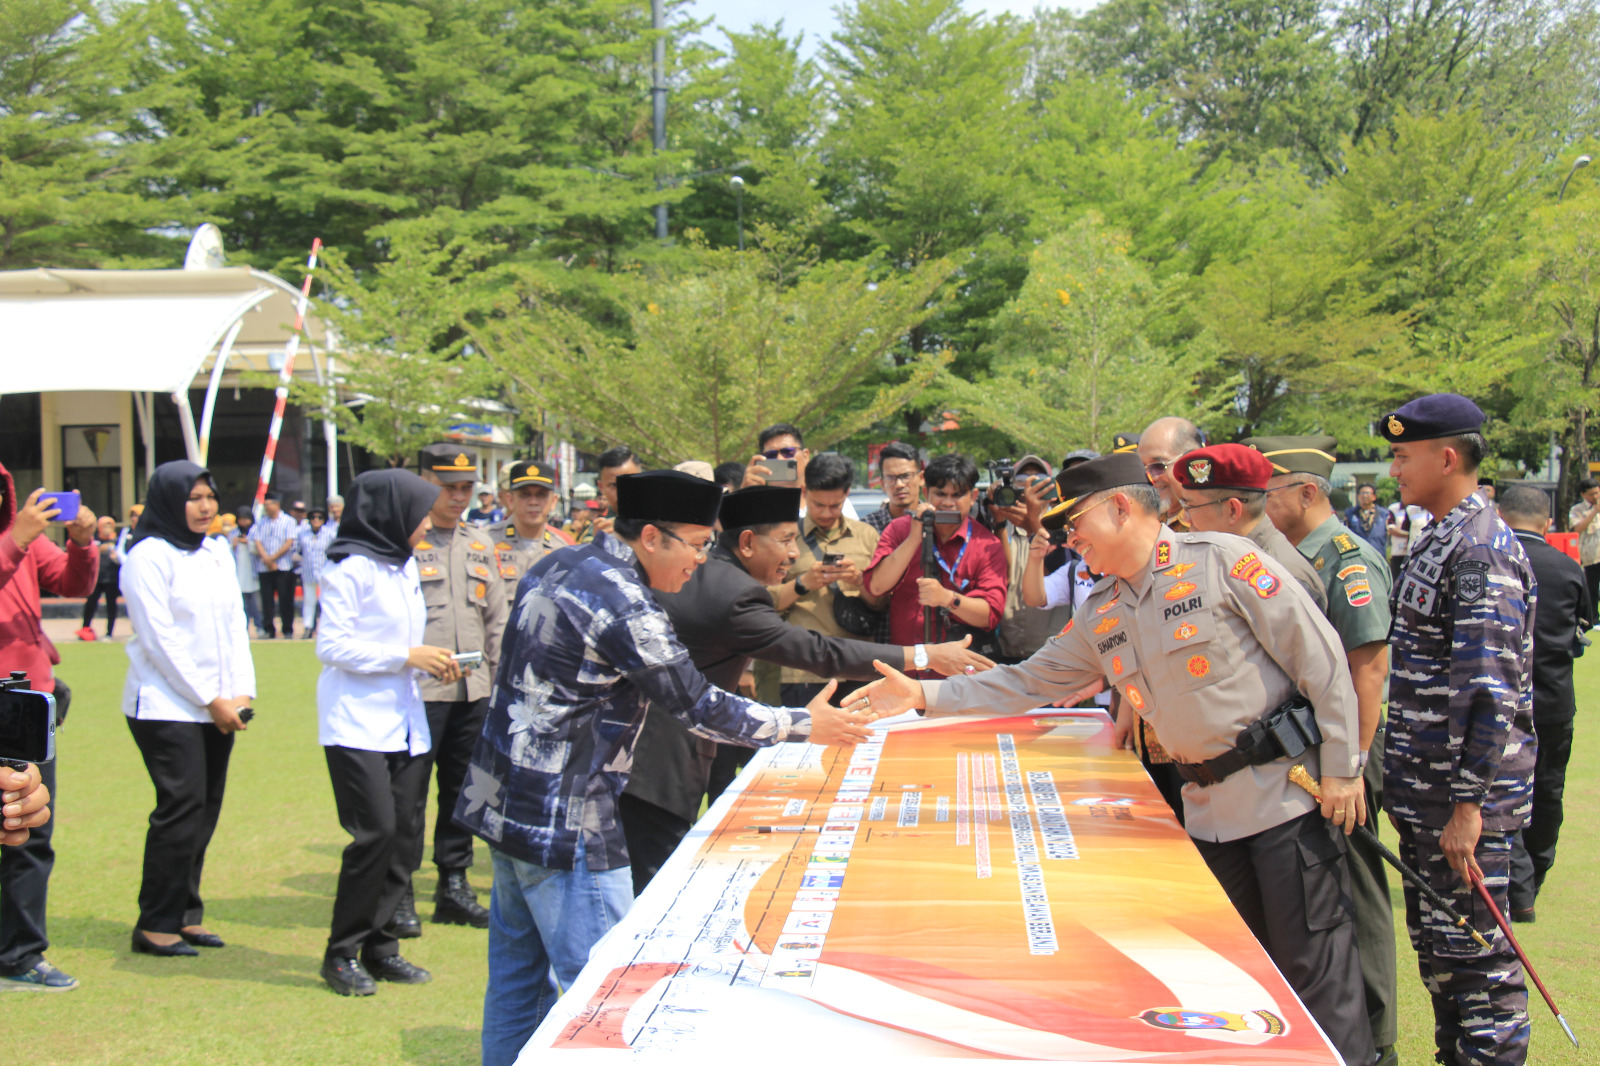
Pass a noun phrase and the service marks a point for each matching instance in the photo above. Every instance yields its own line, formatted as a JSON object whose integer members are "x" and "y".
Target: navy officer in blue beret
{"x": 1459, "y": 753}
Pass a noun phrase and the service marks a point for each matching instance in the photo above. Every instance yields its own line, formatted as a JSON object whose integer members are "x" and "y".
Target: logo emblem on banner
{"x": 1256, "y": 1021}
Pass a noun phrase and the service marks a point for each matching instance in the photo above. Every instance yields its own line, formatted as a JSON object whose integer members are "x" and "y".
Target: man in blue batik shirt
{"x": 1459, "y": 753}
{"x": 587, "y": 651}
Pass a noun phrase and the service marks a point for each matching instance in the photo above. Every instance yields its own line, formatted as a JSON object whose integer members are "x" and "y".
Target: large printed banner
{"x": 958, "y": 888}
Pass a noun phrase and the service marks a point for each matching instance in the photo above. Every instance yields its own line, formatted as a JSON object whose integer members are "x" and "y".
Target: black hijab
{"x": 166, "y": 506}
{"x": 382, "y": 511}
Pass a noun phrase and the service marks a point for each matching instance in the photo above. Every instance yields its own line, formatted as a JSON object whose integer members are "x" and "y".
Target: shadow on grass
{"x": 232, "y": 963}
{"x": 273, "y": 912}
{"x": 331, "y": 850}
{"x": 440, "y": 1045}
{"x": 318, "y": 885}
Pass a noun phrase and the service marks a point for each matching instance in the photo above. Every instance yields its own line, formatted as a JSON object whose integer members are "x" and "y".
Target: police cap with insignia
{"x": 760, "y": 505}
{"x": 1443, "y": 414}
{"x": 668, "y": 496}
{"x": 526, "y": 472}
{"x": 449, "y": 463}
{"x": 1223, "y": 466}
{"x": 1124, "y": 442}
{"x": 1115, "y": 471}
{"x": 1297, "y": 455}
{"x": 1082, "y": 455}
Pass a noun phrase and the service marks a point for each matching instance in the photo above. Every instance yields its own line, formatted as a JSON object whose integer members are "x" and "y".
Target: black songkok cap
{"x": 1297, "y": 455}
{"x": 668, "y": 496}
{"x": 760, "y": 505}
{"x": 1113, "y": 471}
{"x": 1443, "y": 414}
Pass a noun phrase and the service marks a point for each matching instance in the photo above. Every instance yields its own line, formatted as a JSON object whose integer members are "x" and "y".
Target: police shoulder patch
{"x": 1163, "y": 554}
{"x": 1472, "y": 580}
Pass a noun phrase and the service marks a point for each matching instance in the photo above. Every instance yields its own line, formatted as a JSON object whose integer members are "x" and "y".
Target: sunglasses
{"x": 781, "y": 453}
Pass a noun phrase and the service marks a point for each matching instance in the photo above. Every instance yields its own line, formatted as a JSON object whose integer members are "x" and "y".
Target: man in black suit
{"x": 725, "y": 617}
{"x": 1564, "y": 614}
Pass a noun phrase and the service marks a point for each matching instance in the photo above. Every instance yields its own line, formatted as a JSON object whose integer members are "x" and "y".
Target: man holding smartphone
{"x": 1024, "y": 629}
{"x": 781, "y": 459}
{"x": 30, "y": 562}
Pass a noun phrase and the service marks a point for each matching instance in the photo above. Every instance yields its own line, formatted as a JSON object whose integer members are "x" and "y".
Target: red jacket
{"x": 23, "y": 645}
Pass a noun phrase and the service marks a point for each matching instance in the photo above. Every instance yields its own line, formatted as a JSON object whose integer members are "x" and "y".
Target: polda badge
{"x": 1256, "y": 1021}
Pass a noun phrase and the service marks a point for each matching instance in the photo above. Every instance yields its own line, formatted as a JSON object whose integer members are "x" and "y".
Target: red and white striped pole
{"x": 290, "y": 351}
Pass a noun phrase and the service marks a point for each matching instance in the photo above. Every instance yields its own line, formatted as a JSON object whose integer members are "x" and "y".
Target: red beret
{"x": 1223, "y": 466}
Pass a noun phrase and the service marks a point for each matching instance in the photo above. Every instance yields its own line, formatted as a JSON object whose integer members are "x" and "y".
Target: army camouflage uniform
{"x": 514, "y": 554}
{"x": 465, "y": 614}
{"x": 1358, "y": 583}
{"x": 1461, "y": 731}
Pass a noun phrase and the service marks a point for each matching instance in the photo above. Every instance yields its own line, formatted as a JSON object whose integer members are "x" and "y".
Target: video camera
{"x": 1003, "y": 472}
{"x": 27, "y": 723}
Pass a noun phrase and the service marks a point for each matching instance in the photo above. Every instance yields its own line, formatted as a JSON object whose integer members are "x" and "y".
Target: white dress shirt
{"x": 373, "y": 614}
{"x": 189, "y": 644}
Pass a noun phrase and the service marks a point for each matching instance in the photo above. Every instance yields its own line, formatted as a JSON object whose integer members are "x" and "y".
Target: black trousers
{"x": 1533, "y": 852}
{"x": 93, "y": 602}
{"x": 1591, "y": 577}
{"x": 1374, "y": 912}
{"x": 455, "y": 727}
{"x": 279, "y": 584}
{"x": 188, "y": 764}
{"x": 25, "y": 875}
{"x": 380, "y": 797}
{"x": 1291, "y": 885}
{"x": 652, "y": 833}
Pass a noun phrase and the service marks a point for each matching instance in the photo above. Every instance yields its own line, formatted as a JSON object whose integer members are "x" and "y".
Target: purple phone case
{"x": 67, "y": 500}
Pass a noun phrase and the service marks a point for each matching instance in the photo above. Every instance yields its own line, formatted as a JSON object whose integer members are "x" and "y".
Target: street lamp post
{"x": 1577, "y": 165}
{"x": 738, "y": 192}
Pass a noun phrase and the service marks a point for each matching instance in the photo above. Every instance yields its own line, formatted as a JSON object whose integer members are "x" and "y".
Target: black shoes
{"x": 348, "y": 977}
{"x": 405, "y": 924}
{"x": 203, "y": 940}
{"x": 1524, "y": 915}
{"x": 454, "y": 902}
{"x": 395, "y": 968}
{"x": 143, "y": 945}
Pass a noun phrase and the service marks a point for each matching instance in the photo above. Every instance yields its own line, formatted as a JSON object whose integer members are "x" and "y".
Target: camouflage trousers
{"x": 1480, "y": 998}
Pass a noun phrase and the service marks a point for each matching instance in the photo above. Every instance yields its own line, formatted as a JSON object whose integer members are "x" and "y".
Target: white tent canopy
{"x": 145, "y": 331}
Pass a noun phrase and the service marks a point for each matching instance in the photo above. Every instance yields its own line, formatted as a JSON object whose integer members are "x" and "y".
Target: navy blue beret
{"x": 1443, "y": 414}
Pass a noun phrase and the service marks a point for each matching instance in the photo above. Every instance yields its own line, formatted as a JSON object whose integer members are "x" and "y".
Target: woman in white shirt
{"x": 190, "y": 678}
{"x": 371, "y": 721}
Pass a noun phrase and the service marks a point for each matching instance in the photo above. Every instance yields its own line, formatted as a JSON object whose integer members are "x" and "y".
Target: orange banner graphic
{"x": 958, "y": 888}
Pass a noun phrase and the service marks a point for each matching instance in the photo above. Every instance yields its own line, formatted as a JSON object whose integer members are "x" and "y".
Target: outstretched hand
{"x": 836, "y": 725}
{"x": 893, "y": 694}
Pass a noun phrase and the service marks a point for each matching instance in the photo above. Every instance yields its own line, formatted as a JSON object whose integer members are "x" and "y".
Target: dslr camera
{"x": 27, "y": 723}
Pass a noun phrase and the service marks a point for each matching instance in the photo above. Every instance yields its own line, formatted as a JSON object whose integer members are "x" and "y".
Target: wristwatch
{"x": 955, "y": 602}
{"x": 1361, "y": 762}
{"x": 919, "y": 656}
{"x": 799, "y": 589}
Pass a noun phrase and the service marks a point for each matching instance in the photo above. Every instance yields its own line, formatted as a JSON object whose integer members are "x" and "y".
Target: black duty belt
{"x": 1285, "y": 732}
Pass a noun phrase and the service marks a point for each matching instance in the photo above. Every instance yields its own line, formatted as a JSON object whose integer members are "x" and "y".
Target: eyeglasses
{"x": 1070, "y": 525}
{"x": 1156, "y": 469}
{"x": 897, "y": 479}
{"x": 1184, "y": 508}
{"x": 700, "y": 550}
{"x": 780, "y": 453}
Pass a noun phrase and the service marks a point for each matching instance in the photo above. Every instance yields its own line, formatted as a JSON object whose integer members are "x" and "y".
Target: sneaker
{"x": 42, "y": 978}
{"x": 86, "y": 634}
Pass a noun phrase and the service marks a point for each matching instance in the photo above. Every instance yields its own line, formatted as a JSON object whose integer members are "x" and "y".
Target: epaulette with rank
{"x": 1346, "y": 544}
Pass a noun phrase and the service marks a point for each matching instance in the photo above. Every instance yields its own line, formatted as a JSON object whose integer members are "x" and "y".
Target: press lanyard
{"x": 951, "y": 568}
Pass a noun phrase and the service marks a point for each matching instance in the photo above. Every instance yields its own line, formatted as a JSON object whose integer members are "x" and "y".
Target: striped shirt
{"x": 272, "y": 534}
{"x": 313, "y": 548}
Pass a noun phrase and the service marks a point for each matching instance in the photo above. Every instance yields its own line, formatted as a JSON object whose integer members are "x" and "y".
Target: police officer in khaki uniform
{"x": 525, "y": 536}
{"x": 467, "y": 612}
{"x": 1205, "y": 638}
{"x": 1358, "y": 582}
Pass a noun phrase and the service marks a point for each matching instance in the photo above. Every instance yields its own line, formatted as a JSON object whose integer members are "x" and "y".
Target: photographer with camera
{"x": 944, "y": 574}
{"x": 1018, "y": 495}
{"x": 30, "y": 562}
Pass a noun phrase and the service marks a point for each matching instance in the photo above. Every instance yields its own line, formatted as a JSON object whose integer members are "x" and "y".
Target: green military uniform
{"x": 1358, "y": 583}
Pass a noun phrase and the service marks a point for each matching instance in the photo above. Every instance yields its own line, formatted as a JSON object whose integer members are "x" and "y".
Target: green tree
{"x": 1244, "y": 76}
{"x": 403, "y": 373}
{"x": 76, "y": 175}
{"x": 1071, "y": 364}
{"x": 712, "y": 354}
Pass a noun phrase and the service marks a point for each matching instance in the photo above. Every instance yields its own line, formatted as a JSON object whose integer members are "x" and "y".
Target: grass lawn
{"x": 269, "y": 890}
